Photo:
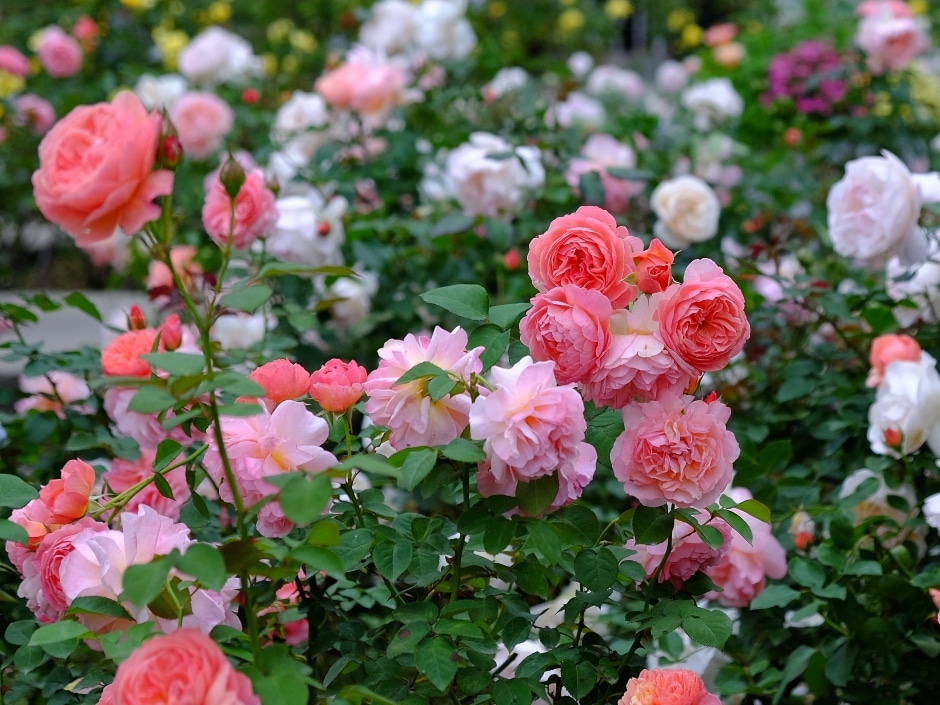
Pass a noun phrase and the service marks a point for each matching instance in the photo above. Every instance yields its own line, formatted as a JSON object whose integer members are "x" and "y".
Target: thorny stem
{"x": 462, "y": 539}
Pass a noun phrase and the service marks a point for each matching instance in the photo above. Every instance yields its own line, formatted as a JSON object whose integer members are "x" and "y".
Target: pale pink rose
{"x": 34, "y": 112}
{"x": 281, "y": 379}
{"x": 889, "y": 35}
{"x": 588, "y": 249}
{"x": 146, "y": 429}
{"x": 888, "y": 348}
{"x": 60, "y": 55}
{"x": 51, "y": 392}
{"x": 528, "y": 423}
{"x": 338, "y": 385}
{"x": 202, "y": 121}
{"x": 365, "y": 83}
{"x": 13, "y": 62}
{"x": 124, "y": 474}
{"x": 637, "y": 365}
{"x": 675, "y": 450}
{"x": 255, "y": 212}
{"x": 667, "y": 686}
{"x": 570, "y": 326}
{"x": 688, "y": 554}
{"x": 41, "y": 585}
{"x": 160, "y": 282}
{"x": 183, "y": 666}
{"x": 598, "y": 153}
{"x": 742, "y": 574}
{"x": 67, "y": 496}
{"x": 121, "y": 358}
{"x": 96, "y": 170}
{"x": 702, "y": 320}
{"x": 406, "y": 409}
{"x": 217, "y": 56}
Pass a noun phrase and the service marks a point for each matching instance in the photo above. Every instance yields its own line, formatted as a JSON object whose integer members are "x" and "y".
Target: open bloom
{"x": 889, "y": 34}
{"x": 906, "y": 412}
{"x": 202, "y": 121}
{"x": 51, "y": 392}
{"x": 338, "y": 385}
{"x": 255, "y": 213}
{"x": 60, "y": 55}
{"x": 599, "y": 152}
{"x": 281, "y": 380}
{"x": 687, "y": 209}
{"x": 667, "y": 686}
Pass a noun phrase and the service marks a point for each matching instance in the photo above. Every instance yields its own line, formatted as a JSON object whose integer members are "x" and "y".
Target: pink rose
{"x": 60, "y": 55}
{"x": 667, "y": 686}
{"x": 146, "y": 429}
{"x": 889, "y": 35}
{"x": 654, "y": 268}
{"x": 51, "y": 392}
{"x": 365, "y": 83}
{"x": 255, "y": 212}
{"x": 202, "y": 121}
{"x": 888, "y": 348}
{"x": 407, "y": 410}
{"x": 160, "y": 282}
{"x": 186, "y": 664}
{"x": 34, "y": 112}
{"x": 12, "y": 61}
{"x": 85, "y": 31}
{"x": 742, "y": 574}
{"x": 702, "y": 320}
{"x": 281, "y": 379}
{"x": 675, "y": 450}
{"x": 688, "y": 554}
{"x": 121, "y": 358}
{"x": 338, "y": 385}
{"x": 598, "y": 153}
{"x": 588, "y": 249}
{"x": 124, "y": 474}
{"x": 96, "y": 170}
{"x": 570, "y": 326}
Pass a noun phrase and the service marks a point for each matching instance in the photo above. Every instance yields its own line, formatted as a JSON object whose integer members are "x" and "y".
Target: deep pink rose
{"x": 675, "y": 450}
{"x": 667, "y": 686}
{"x": 281, "y": 379}
{"x": 255, "y": 212}
{"x": 12, "y": 61}
{"x": 338, "y": 385}
{"x": 588, "y": 249}
{"x": 96, "y": 170}
{"x": 202, "y": 121}
{"x": 60, "y": 55}
{"x": 185, "y": 666}
{"x": 570, "y": 326}
{"x": 702, "y": 320}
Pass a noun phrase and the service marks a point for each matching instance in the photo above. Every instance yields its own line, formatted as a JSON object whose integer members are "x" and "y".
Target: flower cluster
{"x": 809, "y": 75}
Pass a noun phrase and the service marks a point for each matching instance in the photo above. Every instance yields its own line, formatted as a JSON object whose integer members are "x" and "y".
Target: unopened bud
{"x": 792, "y": 136}
{"x": 232, "y": 176}
{"x": 712, "y": 396}
{"x": 323, "y": 229}
{"x": 251, "y": 96}
{"x": 511, "y": 260}
{"x": 171, "y": 333}
{"x": 169, "y": 147}
{"x": 892, "y": 438}
{"x": 136, "y": 319}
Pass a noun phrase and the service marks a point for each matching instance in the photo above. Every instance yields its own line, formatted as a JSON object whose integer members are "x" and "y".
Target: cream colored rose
{"x": 687, "y": 209}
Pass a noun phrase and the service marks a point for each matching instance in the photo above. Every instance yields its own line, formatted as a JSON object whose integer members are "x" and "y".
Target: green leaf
{"x": 279, "y": 269}
{"x": 304, "y": 497}
{"x": 506, "y": 315}
{"x": 177, "y": 363}
{"x": 81, "y": 302}
{"x": 65, "y": 630}
{"x": 840, "y": 663}
{"x": 98, "y": 605}
{"x": 545, "y": 542}
{"x": 464, "y": 451}
{"x": 237, "y": 384}
{"x": 774, "y": 596}
{"x": 239, "y": 409}
{"x": 437, "y": 659}
{"x": 652, "y": 525}
{"x": 143, "y": 582}
{"x": 284, "y": 682}
{"x": 415, "y": 612}
{"x": 458, "y": 628}
{"x": 421, "y": 371}
{"x": 318, "y": 558}
{"x": 498, "y": 533}
{"x": 756, "y": 509}
{"x": 596, "y": 568}
{"x": 578, "y": 677}
{"x": 369, "y": 463}
{"x": 796, "y": 664}
{"x": 167, "y": 452}
{"x": 149, "y": 400}
{"x": 465, "y": 300}
{"x": 537, "y": 495}
{"x": 15, "y": 492}
{"x": 440, "y": 387}
{"x": 628, "y": 174}
{"x": 736, "y": 522}
{"x": 205, "y": 563}
{"x": 18, "y": 633}
{"x": 592, "y": 188}
{"x": 864, "y": 568}
{"x": 417, "y": 466}
{"x": 452, "y": 224}
{"x": 708, "y": 627}
{"x": 248, "y": 298}
{"x": 392, "y": 558}
{"x": 407, "y": 638}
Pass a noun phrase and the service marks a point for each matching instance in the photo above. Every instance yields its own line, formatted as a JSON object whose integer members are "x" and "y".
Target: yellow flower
{"x": 138, "y": 4}
{"x": 570, "y": 20}
{"x": 497, "y": 9}
{"x": 882, "y": 107}
{"x": 270, "y": 63}
{"x": 290, "y": 64}
{"x": 618, "y": 9}
{"x": 279, "y": 30}
{"x": 10, "y": 84}
{"x": 220, "y": 12}
{"x": 170, "y": 42}
{"x": 691, "y": 35}
{"x": 677, "y": 19}
{"x": 918, "y": 7}
{"x": 302, "y": 40}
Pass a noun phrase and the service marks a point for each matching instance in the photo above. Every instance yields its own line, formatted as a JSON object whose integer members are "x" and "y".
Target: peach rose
{"x": 202, "y": 121}
{"x": 702, "y": 320}
{"x": 255, "y": 212}
{"x": 675, "y": 450}
{"x": 588, "y": 249}
{"x": 888, "y": 348}
{"x": 667, "y": 686}
{"x": 570, "y": 326}
{"x": 60, "y": 55}
{"x": 67, "y": 496}
{"x": 122, "y": 356}
{"x": 338, "y": 385}
{"x": 654, "y": 268}
{"x": 183, "y": 666}
{"x": 281, "y": 379}
{"x": 96, "y": 170}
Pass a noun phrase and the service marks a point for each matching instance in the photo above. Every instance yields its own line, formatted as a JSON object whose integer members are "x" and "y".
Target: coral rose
{"x": 96, "y": 170}
{"x": 338, "y": 385}
{"x": 588, "y": 249}
{"x": 888, "y": 348}
{"x": 122, "y": 356}
{"x": 570, "y": 326}
{"x": 67, "y": 496}
{"x": 281, "y": 379}
{"x": 185, "y": 666}
{"x": 255, "y": 211}
{"x": 667, "y": 686}
{"x": 675, "y": 450}
{"x": 654, "y": 268}
{"x": 60, "y": 55}
{"x": 702, "y": 320}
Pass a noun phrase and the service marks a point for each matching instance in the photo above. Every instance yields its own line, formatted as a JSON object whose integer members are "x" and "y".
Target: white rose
{"x": 577, "y": 110}
{"x": 608, "y": 79}
{"x": 301, "y": 112}
{"x": 216, "y": 55}
{"x": 309, "y": 230}
{"x": 355, "y": 298}
{"x": 505, "y": 81}
{"x": 877, "y": 505}
{"x": 907, "y": 403}
{"x": 932, "y": 510}
{"x": 713, "y": 102}
{"x": 580, "y": 63}
{"x": 920, "y": 284}
{"x": 443, "y": 31}
{"x": 493, "y": 187}
{"x": 391, "y": 28}
{"x": 160, "y": 91}
{"x": 239, "y": 330}
{"x": 688, "y": 211}
{"x": 671, "y": 76}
